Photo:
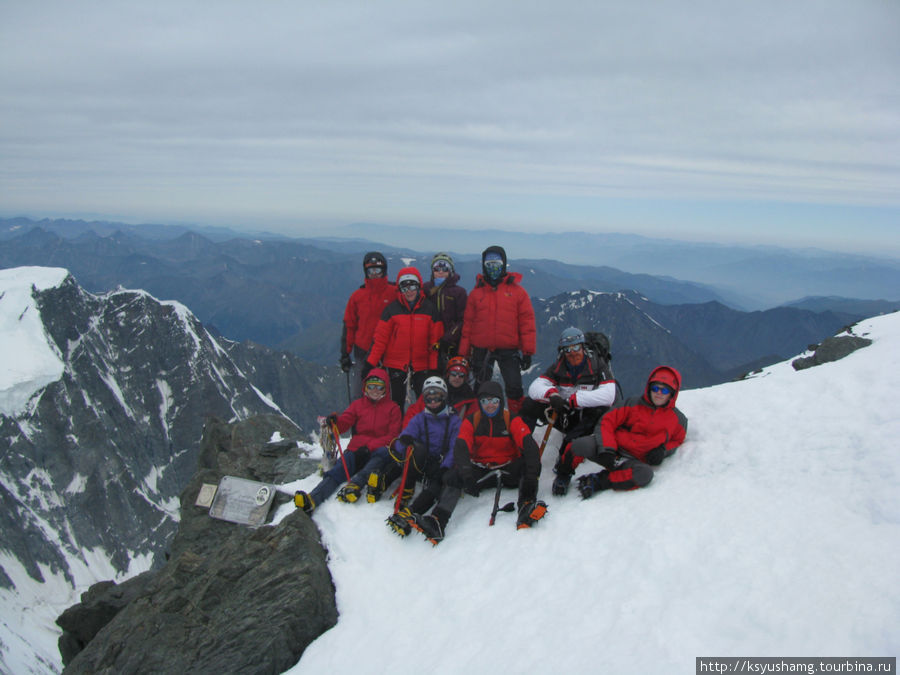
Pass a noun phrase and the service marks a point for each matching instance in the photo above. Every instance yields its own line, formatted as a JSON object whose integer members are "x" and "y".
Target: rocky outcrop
{"x": 230, "y": 598}
{"x": 831, "y": 349}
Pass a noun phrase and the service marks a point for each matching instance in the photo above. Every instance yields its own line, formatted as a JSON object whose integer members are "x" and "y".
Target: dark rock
{"x": 251, "y": 606}
{"x": 831, "y": 349}
{"x": 230, "y": 598}
{"x": 99, "y": 604}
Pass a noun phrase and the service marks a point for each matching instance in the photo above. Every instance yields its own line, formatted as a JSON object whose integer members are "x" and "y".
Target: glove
{"x": 656, "y": 456}
{"x": 406, "y": 441}
{"x": 559, "y": 405}
{"x": 346, "y": 362}
{"x": 470, "y": 485}
{"x": 525, "y": 362}
{"x": 331, "y": 420}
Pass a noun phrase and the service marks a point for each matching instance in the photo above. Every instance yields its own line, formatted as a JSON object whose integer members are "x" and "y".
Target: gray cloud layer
{"x": 500, "y": 112}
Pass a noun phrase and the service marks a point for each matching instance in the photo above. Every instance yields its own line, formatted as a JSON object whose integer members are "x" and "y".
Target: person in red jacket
{"x": 499, "y": 326}
{"x": 361, "y": 315}
{"x": 375, "y": 420}
{"x": 406, "y": 337}
{"x": 489, "y": 440}
{"x": 631, "y": 438}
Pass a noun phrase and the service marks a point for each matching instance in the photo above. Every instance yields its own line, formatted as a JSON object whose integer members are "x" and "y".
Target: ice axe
{"x": 550, "y": 414}
{"x": 511, "y": 506}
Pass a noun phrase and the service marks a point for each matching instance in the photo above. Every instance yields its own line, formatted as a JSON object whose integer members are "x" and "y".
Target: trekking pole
{"x": 349, "y": 395}
{"x": 337, "y": 440}
{"x": 551, "y": 420}
{"x": 409, "y": 451}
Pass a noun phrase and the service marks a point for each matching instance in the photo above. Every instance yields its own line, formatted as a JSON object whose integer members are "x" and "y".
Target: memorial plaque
{"x": 243, "y": 501}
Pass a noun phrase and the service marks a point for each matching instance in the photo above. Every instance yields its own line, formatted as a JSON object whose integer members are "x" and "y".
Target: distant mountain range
{"x": 290, "y": 295}
{"x": 742, "y": 277}
{"x": 747, "y": 277}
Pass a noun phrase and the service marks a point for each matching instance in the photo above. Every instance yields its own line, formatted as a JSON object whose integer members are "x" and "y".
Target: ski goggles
{"x": 374, "y": 272}
{"x": 441, "y": 266}
{"x": 660, "y": 389}
{"x": 434, "y": 398}
{"x": 409, "y": 286}
{"x": 489, "y": 400}
{"x": 571, "y": 348}
{"x": 374, "y": 385}
{"x": 494, "y": 266}
{"x": 458, "y": 372}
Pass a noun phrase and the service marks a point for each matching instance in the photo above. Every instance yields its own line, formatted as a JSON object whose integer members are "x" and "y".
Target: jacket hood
{"x": 494, "y": 249}
{"x": 374, "y": 259}
{"x": 491, "y": 388}
{"x": 669, "y": 376}
{"x": 407, "y": 271}
{"x": 381, "y": 374}
{"x": 499, "y": 251}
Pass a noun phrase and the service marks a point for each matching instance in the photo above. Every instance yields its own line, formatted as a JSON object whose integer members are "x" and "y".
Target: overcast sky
{"x": 765, "y": 121}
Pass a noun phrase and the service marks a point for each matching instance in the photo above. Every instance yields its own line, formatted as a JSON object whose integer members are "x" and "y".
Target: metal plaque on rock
{"x": 243, "y": 501}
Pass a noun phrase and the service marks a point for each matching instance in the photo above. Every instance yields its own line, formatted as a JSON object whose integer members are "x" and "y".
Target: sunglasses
{"x": 660, "y": 389}
{"x": 572, "y": 348}
{"x": 456, "y": 373}
{"x": 374, "y": 386}
{"x": 489, "y": 400}
{"x": 434, "y": 398}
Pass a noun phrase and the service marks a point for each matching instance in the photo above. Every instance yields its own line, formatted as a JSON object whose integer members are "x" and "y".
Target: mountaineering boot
{"x": 564, "y": 471}
{"x": 430, "y": 526}
{"x": 303, "y": 501}
{"x": 349, "y": 493}
{"x": 529, "y": 513}
{"x": 401, "y": 522}
{"x": 374, "y": 486}
{"x": 592, "y": 483}
{"x": 561, "y": 484}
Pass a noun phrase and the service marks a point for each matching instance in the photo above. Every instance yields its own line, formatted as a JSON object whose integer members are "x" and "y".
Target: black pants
{"x": 508, "y": 360}
{"x": 398, "y": 385}
{"x": 624, "y": 471}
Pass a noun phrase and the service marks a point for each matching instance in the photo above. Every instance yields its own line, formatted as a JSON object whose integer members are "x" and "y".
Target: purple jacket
{"x": 436, "y": 432}
{"x": 450, "y": 300}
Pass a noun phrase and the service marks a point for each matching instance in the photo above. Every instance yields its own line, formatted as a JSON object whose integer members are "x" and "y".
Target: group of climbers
{"x": 399, "y": 336}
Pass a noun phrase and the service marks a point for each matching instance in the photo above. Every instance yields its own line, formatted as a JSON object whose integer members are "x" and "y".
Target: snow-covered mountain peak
{"x": 28, "y": 358}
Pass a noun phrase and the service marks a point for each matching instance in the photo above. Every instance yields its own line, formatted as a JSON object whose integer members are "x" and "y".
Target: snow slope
{"x": 28, "y": 361}
{"x": 774, "y": 531}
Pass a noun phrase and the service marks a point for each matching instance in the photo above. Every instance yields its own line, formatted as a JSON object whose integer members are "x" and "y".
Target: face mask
{"x": 493, "y": 269}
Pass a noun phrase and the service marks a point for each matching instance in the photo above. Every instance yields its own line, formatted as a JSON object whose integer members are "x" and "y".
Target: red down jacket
{"x": 374, "y": 423}
{"x": 363, "y": 310}
{"x": 499, "y": 317}
{"x": 407, "y": 335}
{"x": 637, "y": 426}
